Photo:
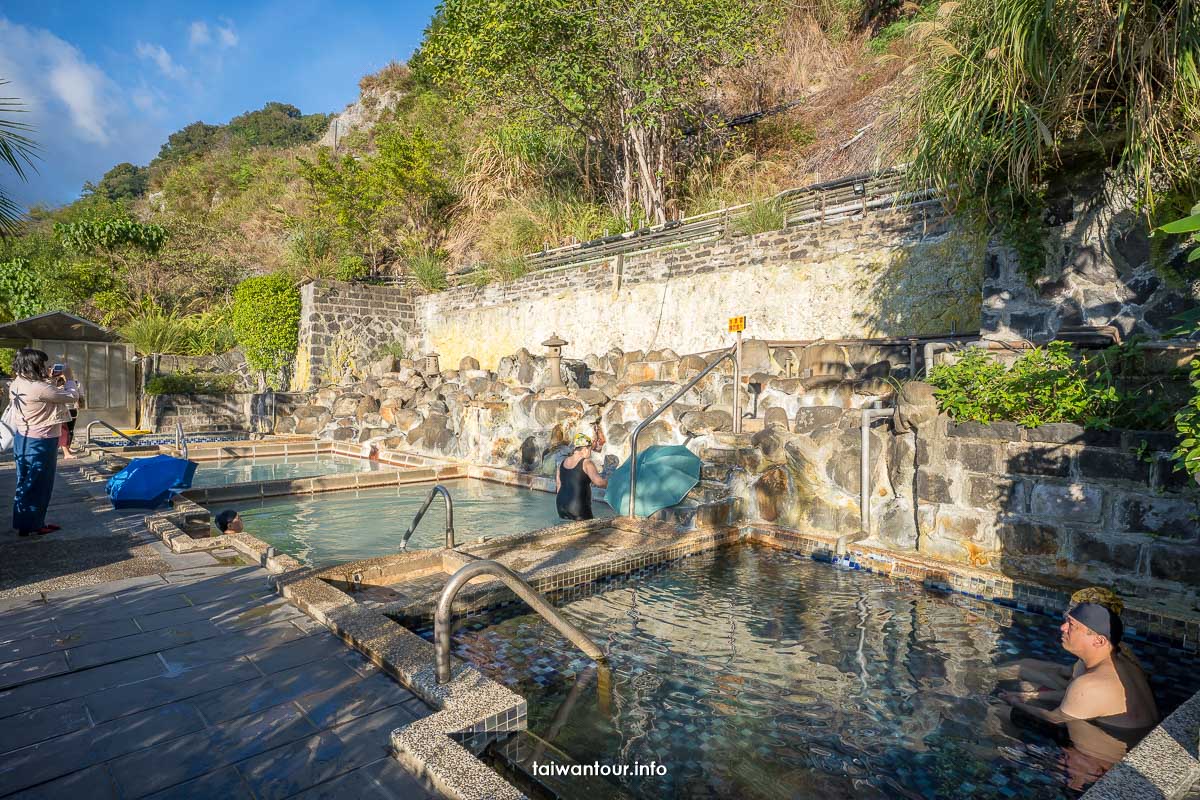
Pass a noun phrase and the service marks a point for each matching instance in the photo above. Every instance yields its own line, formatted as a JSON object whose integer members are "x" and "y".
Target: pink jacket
{"x": 39, "y": 408}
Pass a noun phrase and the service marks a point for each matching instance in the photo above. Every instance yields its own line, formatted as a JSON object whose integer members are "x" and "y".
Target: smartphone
{"x": 57, "y": 369}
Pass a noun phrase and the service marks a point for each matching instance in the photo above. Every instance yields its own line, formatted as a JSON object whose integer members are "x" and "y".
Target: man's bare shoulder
{"x": 1098, "y": 693}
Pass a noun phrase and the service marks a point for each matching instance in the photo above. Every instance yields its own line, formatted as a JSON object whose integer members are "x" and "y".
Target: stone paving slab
{"x": 190, "y": 679}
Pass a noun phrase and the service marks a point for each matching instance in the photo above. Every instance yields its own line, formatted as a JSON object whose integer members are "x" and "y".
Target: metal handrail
{"x": 442, "y": 616}
{"x": 444, "y": 492}
{"x": 88, "y": 431}
{"x": 181, "y": 446}
{"x": 731, "y": 353}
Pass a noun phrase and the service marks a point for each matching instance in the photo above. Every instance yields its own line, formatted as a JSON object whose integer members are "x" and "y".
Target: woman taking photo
{"x": 40, "y": 400}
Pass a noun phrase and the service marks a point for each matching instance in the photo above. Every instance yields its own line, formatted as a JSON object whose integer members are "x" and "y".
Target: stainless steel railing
{"x": 444, "y": 614}
{"x": 103, "y": 424}
{"x": 445, "y": 493}
{"x": 181, "y": 445}
{"x": 731, "y": 353}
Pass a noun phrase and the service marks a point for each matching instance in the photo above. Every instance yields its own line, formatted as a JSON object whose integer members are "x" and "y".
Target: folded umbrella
{"x": 665, "y": 474}
{"x": 150, "y": 482}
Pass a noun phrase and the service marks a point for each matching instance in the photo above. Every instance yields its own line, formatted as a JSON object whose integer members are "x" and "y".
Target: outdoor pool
{"x": 268, "y": 468}
{"x": 756, "y": 673}
{"x": 335, "y": 527}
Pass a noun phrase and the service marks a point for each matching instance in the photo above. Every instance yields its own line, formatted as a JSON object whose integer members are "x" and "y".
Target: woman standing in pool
{"x": 574, "y": 478}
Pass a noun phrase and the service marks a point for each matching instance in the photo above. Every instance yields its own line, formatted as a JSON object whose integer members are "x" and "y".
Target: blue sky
{"x": 106, "y": 82}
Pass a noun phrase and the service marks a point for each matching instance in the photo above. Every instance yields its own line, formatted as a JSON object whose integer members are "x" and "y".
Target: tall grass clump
{"x": 761, "y": 216}
{"x": 1014, "y": 91}
{"x": 428, "y": 267}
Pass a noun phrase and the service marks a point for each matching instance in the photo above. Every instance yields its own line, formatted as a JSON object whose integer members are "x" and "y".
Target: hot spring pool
{"x": 268, "y": 468}
{"x": 335, "y": 527}
{"x": 755, "y": 673}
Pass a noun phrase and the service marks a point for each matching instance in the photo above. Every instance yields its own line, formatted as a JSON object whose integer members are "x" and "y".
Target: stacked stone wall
{"x": 196, "y": 412}
{"x": 888, "y": 273}
{"x": 343, "y": 326}
{"x": 1056, "y": 501}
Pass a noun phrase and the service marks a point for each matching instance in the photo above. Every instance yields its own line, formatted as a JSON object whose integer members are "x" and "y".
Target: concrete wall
{"x": 890, "y": 273}
{"x": 1056, "y": 501}
{"x": 343, "y": 325}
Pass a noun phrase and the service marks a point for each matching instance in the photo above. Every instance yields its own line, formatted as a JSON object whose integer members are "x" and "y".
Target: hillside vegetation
{"x": 523, "y": 124}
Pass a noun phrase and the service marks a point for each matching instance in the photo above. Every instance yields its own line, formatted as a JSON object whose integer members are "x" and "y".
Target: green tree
{"x": 266, "y": 322}
{"x": 17, "y": 151}
{"x": 394, "y": 198}
{"x": 125, "y": 181}
{"x": 277, "y": 125}
{"x": 630, "y": 75}
{"x": 185, "y": 144}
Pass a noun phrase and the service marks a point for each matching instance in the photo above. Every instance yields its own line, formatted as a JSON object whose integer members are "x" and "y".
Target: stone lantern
{"x": 430, "y": 364}
{"x": 554, "y": 346}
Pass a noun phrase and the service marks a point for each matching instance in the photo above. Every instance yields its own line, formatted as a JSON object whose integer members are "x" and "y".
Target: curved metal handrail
{"x": 442, "y": 616}
{"x": 731, "y": 353}
{"x": 88, "y": 431}
{"x": 181, "y": 445}
{"x": 444, "y": 492}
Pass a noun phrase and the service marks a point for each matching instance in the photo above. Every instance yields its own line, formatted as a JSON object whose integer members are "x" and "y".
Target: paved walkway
{"x": 195, "y": 680}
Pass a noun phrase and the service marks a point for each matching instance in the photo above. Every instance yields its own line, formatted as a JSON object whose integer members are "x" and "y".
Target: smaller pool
{"x": 336, "y": 527}
{"x": 269, "y": 468}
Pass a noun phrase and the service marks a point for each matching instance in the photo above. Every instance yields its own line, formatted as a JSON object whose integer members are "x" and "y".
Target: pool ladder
{"x": 438, "y": 489}
{"x": 88, "y": 431}
{"x": 445, "y": 607}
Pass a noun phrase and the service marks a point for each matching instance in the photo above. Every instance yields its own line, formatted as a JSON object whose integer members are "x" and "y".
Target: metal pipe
{"x": 88, "y": 431}
{"x": 445, "y": 493}
{"x": 181, "y": 446}
{"x": 868, "y": 416}
{"x": 633, "y": 451}
{"x": 443, "y": 615}
{"x": 931, "y": 351}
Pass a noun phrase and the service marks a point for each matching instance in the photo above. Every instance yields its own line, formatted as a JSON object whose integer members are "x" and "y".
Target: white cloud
{"x": 198, "y": 34}
{"x": 227, "y": 35}
{"x": 82, "y": 121}
{"x": 159, "y": 55}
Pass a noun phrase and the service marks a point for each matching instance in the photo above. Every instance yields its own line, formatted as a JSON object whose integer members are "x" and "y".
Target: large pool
{"x": 755, "y": 673}
{"x": 335, "y": 527}
{"x": 268, "y": 468}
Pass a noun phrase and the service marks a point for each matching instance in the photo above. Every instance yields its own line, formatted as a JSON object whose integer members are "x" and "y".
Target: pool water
{"x": 269, "y": 468}
{"x": 335, "y": 527}
{"x": 756, "y": 673}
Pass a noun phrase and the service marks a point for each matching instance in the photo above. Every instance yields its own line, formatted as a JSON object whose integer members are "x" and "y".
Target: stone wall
{"x": 1057, "y": 502}
{"x": 889, "y": 273}
{"x": 1097, "y": 270}
{"x": 197, "y": 412}
{"x": 344, "y": 325}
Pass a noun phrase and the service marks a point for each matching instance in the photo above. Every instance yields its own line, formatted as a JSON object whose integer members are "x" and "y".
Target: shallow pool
{"x": 755, "y": 673}
{"x": 334, "y": 527}
{"x": 268, "y": 468}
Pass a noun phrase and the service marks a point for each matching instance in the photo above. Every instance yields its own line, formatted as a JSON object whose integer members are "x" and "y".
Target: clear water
{"x": 335, "y": 527}
{"x": 754, "y": 673}
{"x": 269, "y": 468}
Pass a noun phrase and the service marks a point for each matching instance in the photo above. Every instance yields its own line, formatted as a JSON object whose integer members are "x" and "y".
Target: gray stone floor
{"x": 186, "y": 678}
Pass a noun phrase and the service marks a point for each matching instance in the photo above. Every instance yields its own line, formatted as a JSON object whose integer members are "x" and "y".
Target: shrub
{"x": 1044, "y": 385}
{"x": 154, "y": 330}
{"x": 429, "y": 268}
{"x": 762, "y": 216}
{"x": 393, "y": 349}
{"x": 266, "y": 321}
{"x": 511, "y": 268}
{"x": 191, "y": 383}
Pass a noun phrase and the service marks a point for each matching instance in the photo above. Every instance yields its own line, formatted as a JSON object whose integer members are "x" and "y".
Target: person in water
{"x": 574, "y": 478}
{"x": 1103, "y": 702}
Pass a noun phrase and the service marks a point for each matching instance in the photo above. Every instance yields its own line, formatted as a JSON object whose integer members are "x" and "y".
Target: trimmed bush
{"x": 266, "y": 322}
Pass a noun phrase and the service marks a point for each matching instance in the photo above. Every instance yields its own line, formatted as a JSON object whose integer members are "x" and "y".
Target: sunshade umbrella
{"x": 665, "y": 473}
{"x": 150, "y": 482}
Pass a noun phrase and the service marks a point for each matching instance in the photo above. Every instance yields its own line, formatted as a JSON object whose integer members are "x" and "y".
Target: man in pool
{"x": 573, "y": 481}
{"x": 1106, "y": 705}
{"x": 228, "y": 521}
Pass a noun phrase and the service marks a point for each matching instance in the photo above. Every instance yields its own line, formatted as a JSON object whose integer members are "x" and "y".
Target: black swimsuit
{"x": 574, "y": 499}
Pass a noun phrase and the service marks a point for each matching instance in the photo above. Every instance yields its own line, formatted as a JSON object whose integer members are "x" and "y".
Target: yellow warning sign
{"x": 737, "y": 324}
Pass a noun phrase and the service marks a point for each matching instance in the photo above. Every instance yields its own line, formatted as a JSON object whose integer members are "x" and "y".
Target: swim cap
{"x": 1100, "y": 620}
{"x": 583, "y": 440}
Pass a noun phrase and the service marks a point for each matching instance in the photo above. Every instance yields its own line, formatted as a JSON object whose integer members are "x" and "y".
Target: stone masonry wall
{"x": 888, "y": 273}
{"x": 343, "y": 326}
{"x": 196, "y": 412}
{"x": 1056, "y": 502}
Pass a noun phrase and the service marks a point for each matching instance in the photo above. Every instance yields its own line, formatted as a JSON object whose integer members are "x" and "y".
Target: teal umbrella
{"x": 665, "y": 473}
